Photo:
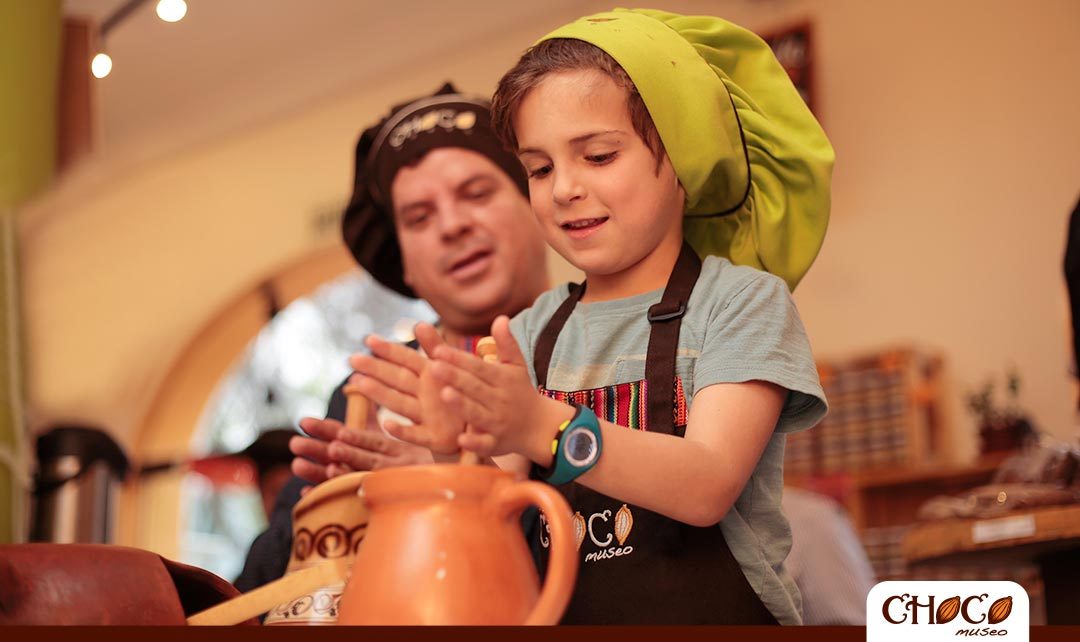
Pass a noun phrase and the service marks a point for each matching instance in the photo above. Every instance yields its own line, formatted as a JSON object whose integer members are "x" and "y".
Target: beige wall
{"x": 958, "y": 162}
{"x": 122, "y": 268}
{"x": 958, "y": 144}
{"x": 955, "y": 129}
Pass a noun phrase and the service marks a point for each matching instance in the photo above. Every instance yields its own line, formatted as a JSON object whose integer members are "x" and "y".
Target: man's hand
{"x": 313, "y": 462}
{"x": 334, "y": 449}
{"x": 373, "y": 450}
{"x": 400, "y": 379}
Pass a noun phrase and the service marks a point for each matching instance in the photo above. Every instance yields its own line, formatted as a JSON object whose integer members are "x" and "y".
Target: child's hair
{"x": 566, "y": 54}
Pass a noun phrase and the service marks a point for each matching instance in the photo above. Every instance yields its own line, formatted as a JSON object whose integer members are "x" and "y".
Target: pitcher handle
{"x": 562, "y": 563}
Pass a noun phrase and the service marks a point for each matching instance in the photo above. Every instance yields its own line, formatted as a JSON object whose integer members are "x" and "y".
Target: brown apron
{"x": 639, "y": 567}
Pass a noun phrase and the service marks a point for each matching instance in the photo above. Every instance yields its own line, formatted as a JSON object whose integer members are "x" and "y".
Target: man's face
{"x": 469, "y": 242}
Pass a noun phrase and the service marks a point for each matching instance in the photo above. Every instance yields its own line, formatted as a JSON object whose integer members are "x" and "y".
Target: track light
{"x": 101, "y": 65}
{"x": 167, "y": 10}
{"x": 171, "y": 10}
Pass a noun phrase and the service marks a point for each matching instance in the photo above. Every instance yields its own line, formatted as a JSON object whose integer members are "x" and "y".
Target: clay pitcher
{"x": 328, "y": 523}
{"x": 444, "y": 546}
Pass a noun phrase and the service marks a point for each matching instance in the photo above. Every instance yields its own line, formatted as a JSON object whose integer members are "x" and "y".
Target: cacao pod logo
{"x": 624, "y": 523}
{"x": 579, "y": 528}
{"x": 948, "y": 610}
{"x": 999, "y": 610}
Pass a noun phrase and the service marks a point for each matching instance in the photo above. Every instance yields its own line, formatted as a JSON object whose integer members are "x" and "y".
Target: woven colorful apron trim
{"x": 469, "y": 343}
{"x": 622, "y": 404}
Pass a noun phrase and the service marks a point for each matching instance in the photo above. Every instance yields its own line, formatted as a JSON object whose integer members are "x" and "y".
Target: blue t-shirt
{"x": 740, "y": 325}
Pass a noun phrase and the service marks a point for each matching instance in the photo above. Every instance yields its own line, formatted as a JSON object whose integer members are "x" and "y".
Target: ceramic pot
{"x": 445, "y": 546}
{"x": 328, "y": 524}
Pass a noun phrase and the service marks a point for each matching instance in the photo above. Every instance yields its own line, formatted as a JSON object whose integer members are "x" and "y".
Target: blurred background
{"x": 174, "y": 279}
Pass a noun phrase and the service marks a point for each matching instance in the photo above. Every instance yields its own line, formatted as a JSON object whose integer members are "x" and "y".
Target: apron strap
{"x": 545, "y": 343}
{"x": 665, "y": 319}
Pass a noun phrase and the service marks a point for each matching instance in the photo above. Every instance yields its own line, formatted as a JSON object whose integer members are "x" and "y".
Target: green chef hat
{"x": 755, "y": 164}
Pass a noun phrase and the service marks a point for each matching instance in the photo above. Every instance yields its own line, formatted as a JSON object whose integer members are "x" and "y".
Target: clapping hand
{"x": 400, "y": 378}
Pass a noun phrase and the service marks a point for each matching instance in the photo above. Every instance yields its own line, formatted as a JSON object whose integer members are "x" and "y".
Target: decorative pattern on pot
{"x": 329, "y": 522}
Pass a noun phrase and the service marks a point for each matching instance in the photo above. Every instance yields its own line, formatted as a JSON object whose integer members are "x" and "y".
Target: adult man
{"x": 439, "y": 211}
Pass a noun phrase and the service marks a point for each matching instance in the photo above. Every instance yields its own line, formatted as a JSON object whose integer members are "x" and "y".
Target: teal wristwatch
{"x": 575, "y": 449}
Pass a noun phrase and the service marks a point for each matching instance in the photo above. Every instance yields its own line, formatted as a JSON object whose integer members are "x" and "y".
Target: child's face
{"x": 593, "y": 183}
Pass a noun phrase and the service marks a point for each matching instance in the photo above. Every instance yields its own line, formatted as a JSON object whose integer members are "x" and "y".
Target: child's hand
{"x": 497, "y": 400}
{"x": 400, "y": 379}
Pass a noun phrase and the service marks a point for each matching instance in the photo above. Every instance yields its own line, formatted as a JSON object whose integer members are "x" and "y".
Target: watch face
{"x": 579, "y": 446}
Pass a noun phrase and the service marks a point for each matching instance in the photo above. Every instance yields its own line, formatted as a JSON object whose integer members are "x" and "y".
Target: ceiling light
{"x": 171, "y": 10}
{"x": 101, "y": 65}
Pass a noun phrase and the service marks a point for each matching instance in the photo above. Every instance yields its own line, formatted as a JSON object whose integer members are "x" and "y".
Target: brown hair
{"x": 566, "y": 54}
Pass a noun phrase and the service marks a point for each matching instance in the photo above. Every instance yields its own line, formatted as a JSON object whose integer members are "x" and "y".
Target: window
{"x": 287, "y": 372}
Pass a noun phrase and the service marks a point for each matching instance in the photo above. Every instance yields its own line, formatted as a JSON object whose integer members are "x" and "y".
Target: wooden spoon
{"x": 260, "y": 600}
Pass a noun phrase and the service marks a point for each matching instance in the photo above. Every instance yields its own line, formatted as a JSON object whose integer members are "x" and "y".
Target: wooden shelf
{"x": 948, "y": 474}
{"x": 1043, "y": 530}
{"x": 1048, "y": 537}
{"x": 884, "y": 411}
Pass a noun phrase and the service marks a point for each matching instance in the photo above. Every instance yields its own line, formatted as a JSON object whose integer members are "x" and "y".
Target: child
{"x": 629, "y": 124}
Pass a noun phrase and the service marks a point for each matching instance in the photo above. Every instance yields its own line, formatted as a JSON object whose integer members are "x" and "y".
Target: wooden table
{"x": 1048, "y": 537}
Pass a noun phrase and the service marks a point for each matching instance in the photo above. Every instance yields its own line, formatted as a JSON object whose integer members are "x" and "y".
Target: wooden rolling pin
{"x": 486, "y": 349}
{"x": 260, "y": 600}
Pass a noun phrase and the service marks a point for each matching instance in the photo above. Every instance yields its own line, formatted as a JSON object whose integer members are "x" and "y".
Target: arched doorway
{"x": 288, "y": 371}
{"x": 150, "y": 511}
